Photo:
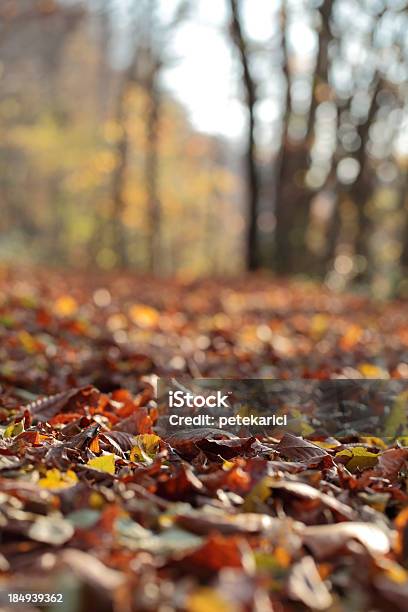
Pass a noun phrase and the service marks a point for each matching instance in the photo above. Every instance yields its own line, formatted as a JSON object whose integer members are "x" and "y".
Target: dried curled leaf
{"x": 293, "y": 447}
{"x": 328, "y": 540}
{"x": 391, "y": 462}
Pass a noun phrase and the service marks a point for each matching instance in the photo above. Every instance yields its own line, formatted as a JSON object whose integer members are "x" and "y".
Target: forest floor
{"x": 97, "y": 506}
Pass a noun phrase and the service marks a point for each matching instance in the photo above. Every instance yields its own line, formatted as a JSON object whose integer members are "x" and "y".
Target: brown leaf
{"x": 328, "y": 540}
{"x": 391, "y": 461}
{"x": 73, "y": 400}
{"x": 138, "y": 422}
{"x": 119, "y": 441}
{"x": 302, "y": 489}
{"x": 227, "y": 449}
{"x": 248, "y": 522}
{"x": 294, "y": 447}
{"x": 218, "y": 552}
{"x": 186, "y": 441}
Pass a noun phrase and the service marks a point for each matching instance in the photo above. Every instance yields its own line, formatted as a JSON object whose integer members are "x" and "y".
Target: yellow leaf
{"x": 257, "y": 495}
{"x": 369, "y": 370}
{"x": 146, "y": 448}
{"x": 65, "y": 306}
{"x": 352, "y": 336}
{"x": 144, "y": 316}
{"x": 319, "y": 325}
{"x": 54, "y": 479}
{"x": 282, "y": 556}
{"x": 373, "y": 441}
{"x": 360, "y": 458}
{"x": 14, "y": 429}
{"x": 324, "y": 444}
{"x": 207, "y": 600}
{"x": 28, "y": 341}
{"x": 105, "y": 463}
{"x": 378, "y": 501}
{"x": 396, "y": 573}
{"x": 96, "y": 500}
{"x": 272, "y": 563}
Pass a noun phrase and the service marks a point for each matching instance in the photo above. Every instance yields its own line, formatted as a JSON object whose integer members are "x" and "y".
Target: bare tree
{"x": 292, "y": 197}
{"x": 150, "y": 38}
{"x": 252, "y": 176}
{"x": 143, "y": 69}
{"x": 120, "y": 170}
{"x": 404, "y": 207}
{"x": 152, "y": 60}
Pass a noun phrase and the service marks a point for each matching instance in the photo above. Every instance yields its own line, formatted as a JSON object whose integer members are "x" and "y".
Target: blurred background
{"x": 207, "y": 137}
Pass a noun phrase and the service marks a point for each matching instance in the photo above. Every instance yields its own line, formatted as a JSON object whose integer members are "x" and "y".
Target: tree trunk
{"x": 292, "y": 197}
{"x": 362, "y": 186}
{"x": 119, "y": 177}
{"x": 151, "y": 174}
{"x": 252, "y": 177}
{"x": 404, "y": 208}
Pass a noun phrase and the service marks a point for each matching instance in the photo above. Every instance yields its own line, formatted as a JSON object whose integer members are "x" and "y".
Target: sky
{"x": 203, "y": 77}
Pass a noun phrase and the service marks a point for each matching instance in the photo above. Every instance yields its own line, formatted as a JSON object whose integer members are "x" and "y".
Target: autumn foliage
{"x": 99, "y": 506}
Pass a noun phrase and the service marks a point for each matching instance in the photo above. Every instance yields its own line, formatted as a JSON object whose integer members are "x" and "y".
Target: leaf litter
{"x": 199, "y": 520}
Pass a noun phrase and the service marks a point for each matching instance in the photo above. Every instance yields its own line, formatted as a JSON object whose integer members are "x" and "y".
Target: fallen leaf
{"x": 105, "y": 463}
{"x": 51, "y": 530}
{"x": 54, "y": 479}
{"x": 327, "y": 540}
{"x": 144, "y": 316}
{"x": 391, "y": 462}
{"x": 358, "y": 458}
{"x": 146, "y": 447}
{"x": 65, "y": 306}
{"x": 203, "y": 522}
{"x": 293, "y": 447}
{"x": 207, "y": 599}
{"x": 305, "y": 585}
